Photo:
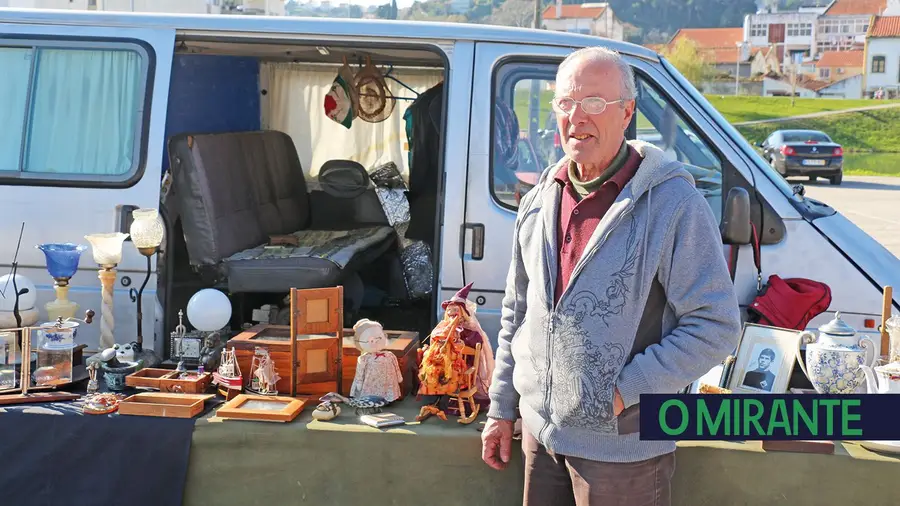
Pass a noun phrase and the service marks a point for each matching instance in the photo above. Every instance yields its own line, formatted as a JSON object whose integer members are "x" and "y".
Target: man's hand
{"x": 496, "y": 442}
{"x": 618, "y": 403}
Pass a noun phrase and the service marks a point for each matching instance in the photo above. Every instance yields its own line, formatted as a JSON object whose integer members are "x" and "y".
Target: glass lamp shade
{"x": 62, "y": 258}
{"x": 209, "y": 310}
{"x": 147, "y": 229}
{"x": 107, "y": 248}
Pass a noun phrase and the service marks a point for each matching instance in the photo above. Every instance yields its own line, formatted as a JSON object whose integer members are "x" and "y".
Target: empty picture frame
{"x": 262, "y": 408}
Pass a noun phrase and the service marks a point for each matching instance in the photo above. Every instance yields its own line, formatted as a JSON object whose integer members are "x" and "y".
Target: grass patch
{"x": 872, "y": 164}
{"x": 742, "y": 108}
{"x": 865, "y": 131}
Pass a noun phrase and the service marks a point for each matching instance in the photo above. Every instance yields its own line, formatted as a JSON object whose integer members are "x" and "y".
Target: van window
{"x": 71, "y": 113}
{"x": 522, "y": 104}
{"x": 660, "y": 123}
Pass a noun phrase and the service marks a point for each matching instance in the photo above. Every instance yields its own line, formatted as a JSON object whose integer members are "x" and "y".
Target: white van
{"x": 220, "y": 122}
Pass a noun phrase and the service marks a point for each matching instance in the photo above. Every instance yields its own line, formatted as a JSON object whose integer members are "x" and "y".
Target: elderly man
{"x": 617, "y": 287}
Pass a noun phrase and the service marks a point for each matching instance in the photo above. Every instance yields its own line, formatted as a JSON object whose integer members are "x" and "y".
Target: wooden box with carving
{"x": 401, "y": 343}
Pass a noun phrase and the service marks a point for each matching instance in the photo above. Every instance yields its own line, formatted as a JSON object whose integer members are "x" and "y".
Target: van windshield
{"x": 804, "y": 136}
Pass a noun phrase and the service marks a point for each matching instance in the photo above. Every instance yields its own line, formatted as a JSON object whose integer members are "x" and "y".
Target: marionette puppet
{"x": 442, "y": 367}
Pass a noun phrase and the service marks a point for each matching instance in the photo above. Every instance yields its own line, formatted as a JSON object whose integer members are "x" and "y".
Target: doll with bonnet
{"x": 377, "y": 371}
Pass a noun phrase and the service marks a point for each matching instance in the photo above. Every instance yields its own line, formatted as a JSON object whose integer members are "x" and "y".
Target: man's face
{"x": 591, "y": 139}
{"x": 764, "y": 361}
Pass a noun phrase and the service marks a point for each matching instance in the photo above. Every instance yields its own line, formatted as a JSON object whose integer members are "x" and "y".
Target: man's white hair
{"x": 602, "y": 54}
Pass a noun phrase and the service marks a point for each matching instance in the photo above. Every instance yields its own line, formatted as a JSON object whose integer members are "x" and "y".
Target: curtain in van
{"x": 84, "y": 113}
{"x": 294, "y": 104}
{"x": 16, "y": 65}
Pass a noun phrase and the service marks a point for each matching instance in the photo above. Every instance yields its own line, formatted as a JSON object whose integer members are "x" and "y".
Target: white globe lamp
{"x": 27, "y": 301}
{"x": 209, "y": 310}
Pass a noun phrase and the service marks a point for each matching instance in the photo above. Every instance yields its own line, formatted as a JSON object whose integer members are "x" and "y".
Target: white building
{"x": 794, "y": 32}
{"x": 589, "y": 18}
{"x": 883, "y": 56}
{"x": 845, "y": 24}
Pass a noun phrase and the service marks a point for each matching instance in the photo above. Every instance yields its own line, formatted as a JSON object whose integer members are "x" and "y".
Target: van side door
{"x": 84, "y": 110}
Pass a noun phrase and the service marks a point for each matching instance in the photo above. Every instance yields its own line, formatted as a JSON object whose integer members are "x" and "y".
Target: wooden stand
{"x": 886, "y": 302}
{"x": 25, "y": 396}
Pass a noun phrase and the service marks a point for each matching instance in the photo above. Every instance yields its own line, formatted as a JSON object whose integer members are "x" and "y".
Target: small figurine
{"x": 377, "y": 372}
{"x": 124, "y": 352}
{"x": 93, "y": 385}
{"x": 326, "y": 411}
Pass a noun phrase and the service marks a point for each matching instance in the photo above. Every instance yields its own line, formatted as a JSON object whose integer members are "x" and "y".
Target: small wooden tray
{"x": 163, "y": 405}
{"x": 262, "y": 408}
{"x": 166, "y": 380}
{"x": 147, "y": 378}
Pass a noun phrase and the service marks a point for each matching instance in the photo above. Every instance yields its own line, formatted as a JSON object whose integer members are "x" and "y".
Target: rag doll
{"x": 377, "y": 371}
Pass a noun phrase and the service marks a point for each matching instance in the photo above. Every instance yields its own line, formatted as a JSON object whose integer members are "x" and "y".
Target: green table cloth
{"x": 436, "y": 462}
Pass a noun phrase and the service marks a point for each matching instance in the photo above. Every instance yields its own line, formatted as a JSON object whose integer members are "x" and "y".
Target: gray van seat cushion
{"x": 318, "y": 262}
{"x": 235, "y": 190}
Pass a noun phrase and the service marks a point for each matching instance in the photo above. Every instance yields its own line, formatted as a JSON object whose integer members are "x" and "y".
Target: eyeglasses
{"x": 590, "y": 105}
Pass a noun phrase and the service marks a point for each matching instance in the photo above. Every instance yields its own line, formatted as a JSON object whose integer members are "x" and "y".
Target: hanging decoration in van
{"x": 341, "y": 102}
{"x": 376, "y": 102}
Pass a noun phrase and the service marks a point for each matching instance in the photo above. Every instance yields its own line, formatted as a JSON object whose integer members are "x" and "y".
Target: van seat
{"x": 234, "y": 190}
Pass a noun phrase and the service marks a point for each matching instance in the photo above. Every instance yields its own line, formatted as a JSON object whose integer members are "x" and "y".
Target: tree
{"x": 518, "y": 13}
{"x": 692, "y": 64}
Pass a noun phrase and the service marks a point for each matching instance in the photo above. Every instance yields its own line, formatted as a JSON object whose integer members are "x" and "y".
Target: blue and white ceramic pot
{"x": 833, "y": 359}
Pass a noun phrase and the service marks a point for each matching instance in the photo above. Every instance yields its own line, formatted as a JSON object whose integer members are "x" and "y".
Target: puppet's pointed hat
{"x": 461, "y": 297}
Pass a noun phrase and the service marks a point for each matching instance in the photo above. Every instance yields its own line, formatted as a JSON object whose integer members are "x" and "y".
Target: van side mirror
{"x": 735, "y": 226}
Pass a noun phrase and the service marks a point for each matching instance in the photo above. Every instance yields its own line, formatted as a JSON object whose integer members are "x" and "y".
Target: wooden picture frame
{"x": 778, "y": 346}
{"x": 262, "y": 408}
{"x": 317, "y": 337}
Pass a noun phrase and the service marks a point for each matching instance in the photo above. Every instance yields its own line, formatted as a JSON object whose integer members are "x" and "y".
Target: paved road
{"x": 871, "y": 202}
{"x": 817, "y": 114}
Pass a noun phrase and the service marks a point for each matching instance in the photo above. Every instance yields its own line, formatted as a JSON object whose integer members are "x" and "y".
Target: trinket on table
{"x": 377, "y": 372}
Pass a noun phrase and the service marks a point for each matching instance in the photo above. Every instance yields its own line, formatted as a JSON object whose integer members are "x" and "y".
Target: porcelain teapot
{"x": 834, "y": 358}
{"x": 888, "y": 378}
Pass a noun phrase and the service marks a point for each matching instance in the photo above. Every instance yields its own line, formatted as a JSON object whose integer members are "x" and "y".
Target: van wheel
{"x": 836, "y": 180}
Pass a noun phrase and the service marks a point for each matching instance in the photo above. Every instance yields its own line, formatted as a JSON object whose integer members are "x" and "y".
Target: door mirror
{"x": 735, "y": 226}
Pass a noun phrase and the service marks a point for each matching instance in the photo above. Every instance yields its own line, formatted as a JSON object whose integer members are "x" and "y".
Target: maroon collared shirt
{"x": 579, "y": 219}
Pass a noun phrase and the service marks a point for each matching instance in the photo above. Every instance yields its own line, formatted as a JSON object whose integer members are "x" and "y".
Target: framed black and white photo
{"x": 765, "y": 360}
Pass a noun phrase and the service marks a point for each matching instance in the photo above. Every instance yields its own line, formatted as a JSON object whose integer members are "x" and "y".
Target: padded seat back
{"x": 236, "y": 189}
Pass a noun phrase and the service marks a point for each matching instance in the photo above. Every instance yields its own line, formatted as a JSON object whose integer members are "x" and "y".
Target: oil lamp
{"x": 62, "y": 263}
{"x": 147, "y": 231}
{"x": 107, "y": 251}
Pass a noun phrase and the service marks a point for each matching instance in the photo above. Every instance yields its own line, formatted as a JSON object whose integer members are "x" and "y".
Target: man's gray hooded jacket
{"x": 650, "y": 308}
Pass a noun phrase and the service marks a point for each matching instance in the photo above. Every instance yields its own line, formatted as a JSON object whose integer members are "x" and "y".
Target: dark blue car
{"x": 805, "y": 153}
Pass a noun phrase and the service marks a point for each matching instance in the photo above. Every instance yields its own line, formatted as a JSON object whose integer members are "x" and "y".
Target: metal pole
{"x": 534, "y": 107}
{"x": 132, "y": 5}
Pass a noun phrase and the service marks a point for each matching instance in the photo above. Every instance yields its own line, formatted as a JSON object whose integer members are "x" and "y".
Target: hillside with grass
{"x": 871, "y": 139}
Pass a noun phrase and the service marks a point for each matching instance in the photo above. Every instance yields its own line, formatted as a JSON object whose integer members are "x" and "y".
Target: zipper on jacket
{"x": 553, "y": 313}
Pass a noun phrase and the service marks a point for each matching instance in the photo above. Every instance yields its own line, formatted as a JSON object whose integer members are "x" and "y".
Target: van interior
{"x": 264, "y": 191}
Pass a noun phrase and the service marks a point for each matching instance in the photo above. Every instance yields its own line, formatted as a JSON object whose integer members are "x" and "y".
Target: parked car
{"x": 805, "y": 153}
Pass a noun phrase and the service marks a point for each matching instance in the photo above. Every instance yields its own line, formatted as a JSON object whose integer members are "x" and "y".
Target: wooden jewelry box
{"x": 313, "y": 365}
{"x": 403, "y": 344}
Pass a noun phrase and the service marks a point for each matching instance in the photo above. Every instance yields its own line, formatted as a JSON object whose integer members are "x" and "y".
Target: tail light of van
{"x": 838, "y": 152}
{"x": 556, "y": 140}
{"x": 788, "y": 151}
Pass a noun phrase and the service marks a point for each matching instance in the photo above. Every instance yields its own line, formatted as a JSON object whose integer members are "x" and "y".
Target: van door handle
{"x": 477, "y": 240}
{"x": 124, "y": 218}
